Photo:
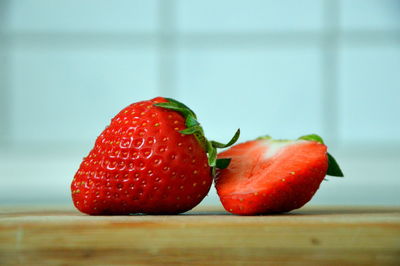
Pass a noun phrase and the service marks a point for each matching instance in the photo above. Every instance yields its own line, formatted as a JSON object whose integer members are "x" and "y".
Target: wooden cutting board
{"x": 310, "y": 236}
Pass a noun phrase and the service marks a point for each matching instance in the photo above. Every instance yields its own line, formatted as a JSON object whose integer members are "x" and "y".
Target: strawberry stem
{"x": 193, "y": 127}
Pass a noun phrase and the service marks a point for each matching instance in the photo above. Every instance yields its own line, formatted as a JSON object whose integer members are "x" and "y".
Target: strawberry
{"x": 153, "y": 158}
{"x": 273, "y": 176}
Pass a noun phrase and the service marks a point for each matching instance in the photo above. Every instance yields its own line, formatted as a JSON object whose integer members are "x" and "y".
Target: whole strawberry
{"x": 153, "y": 158}
{"x": 272, "y": 176}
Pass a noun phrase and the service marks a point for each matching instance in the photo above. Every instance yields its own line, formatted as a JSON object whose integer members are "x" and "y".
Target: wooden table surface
{"x": 54, "y": 235}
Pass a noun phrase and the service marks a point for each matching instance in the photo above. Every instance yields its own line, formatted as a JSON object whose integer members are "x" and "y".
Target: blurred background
{"x": 283, "y": 68}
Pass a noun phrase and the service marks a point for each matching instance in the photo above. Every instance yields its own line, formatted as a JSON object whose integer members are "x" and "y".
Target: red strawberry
{"x": 272, "y": 176}
{"x": 152, "y": 158}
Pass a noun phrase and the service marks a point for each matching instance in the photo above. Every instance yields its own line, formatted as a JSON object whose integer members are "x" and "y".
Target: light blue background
{"x": 283, "y": 68}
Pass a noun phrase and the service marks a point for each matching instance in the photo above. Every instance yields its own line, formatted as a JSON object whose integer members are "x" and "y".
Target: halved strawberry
{"x": 271, "y": 176}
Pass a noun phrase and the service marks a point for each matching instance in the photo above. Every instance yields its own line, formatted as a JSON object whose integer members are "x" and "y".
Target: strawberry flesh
{"x": 269, "y": 176}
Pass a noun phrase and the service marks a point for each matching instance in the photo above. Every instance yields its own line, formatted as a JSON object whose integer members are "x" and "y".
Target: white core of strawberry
{"x": 274, "y": 147}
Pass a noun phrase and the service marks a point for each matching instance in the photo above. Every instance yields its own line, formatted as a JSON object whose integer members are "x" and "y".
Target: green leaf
{"x": 264, "y": 137}
{"x": 312, "y": 137}
{"x": 222, "y": 163}
{"x": 191, "y": 121}
{"x": 172, "y": 106}
{"x": 202, "y": 140}
{"x": 230, "y": 143}
{"x": 212, "y": 156}
{"x": 333, "y": 167}
{"x": 191, "y": 130}
{"x": 193, "y": 127}
{"x": 182, "y": 105}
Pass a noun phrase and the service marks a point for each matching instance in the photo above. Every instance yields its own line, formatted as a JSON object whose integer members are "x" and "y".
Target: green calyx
{"x": 312, "y": 137}
{"x": 268, "y": 137}
{"x": 193, "y": 127}
{"x": 333, "y": 166}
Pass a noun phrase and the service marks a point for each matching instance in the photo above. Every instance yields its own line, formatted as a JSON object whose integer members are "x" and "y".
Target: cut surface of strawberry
{"x": 270, "y": 176}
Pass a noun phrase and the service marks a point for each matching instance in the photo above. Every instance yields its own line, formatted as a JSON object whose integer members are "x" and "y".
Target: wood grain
{"x": 40, "y": 235}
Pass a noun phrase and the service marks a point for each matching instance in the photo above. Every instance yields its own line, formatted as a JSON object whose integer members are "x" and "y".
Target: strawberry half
{"x": 153, "y": 158}
{"x": 272, "y": 176}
